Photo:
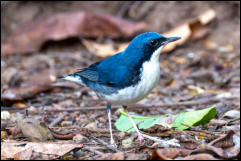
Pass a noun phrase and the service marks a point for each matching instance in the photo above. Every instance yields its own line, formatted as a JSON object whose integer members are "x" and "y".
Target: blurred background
{"x": 42, "y": 40}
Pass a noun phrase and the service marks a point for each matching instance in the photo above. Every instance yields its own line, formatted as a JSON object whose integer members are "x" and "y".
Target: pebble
{"x": 232, "y": 114}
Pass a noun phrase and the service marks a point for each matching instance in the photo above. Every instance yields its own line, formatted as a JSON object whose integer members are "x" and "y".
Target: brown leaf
{"x": 118, "y": 156}
{"x": 18, "y": 94}
{"x": 35, "y": 84}
{"x": 189, "y": 143}
{"x": 24, "y": 150}
{"x": 169, "y": 153}
{"x": 104, "y": 50}
{"x": 122, "y": 156}
{"x": 230, "y": 143}
{"x": 45, "y": 78}
{"x": 4, "y": 135}
{"x": 32, "y": 36}
{"x": 221, "y": 146}
{"x": 200, "y": 157}
{"x": 115, "y": 156}
{"x": 16, "y": 132}
{"x": 154, "y": 156}
{"x": 11, "y": 76}
{"x": 80, "y": 138}
{"x": 195, "y": 29}
{"x": 34, "y": 130}
{"x": 224, "y": 140}
{"x": 135, "y": 156}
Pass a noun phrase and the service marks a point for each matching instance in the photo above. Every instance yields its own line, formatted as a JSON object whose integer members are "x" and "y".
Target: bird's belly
{"x": 132, "y": 94}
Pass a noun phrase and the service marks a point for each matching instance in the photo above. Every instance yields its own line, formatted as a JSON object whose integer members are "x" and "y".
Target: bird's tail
{"x": 62, "y": 76}
{"x": 72, "y": 77}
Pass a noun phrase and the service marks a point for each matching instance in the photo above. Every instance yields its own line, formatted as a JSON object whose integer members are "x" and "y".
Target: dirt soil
{"x": 207, "y": 68}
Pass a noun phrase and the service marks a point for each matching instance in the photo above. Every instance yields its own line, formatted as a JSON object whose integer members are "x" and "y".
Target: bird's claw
{"x": 112, "y": 142}
{"x": 140, "y": 138}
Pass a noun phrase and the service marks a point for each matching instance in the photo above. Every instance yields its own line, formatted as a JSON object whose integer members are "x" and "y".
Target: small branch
{"x": 200, "y": 132}
{"x": 187, "y": 103}
{"x": 84, "y": 128}
{"x": 59, "y": 119}
{"x": 146, "y": 106}
{"x": 164, "y": 143}
{"x": 106, "y": 145}
{"x": 88, "y": 148}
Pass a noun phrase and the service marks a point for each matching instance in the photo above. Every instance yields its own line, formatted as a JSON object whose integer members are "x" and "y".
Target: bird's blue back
{"x": 120, "y": 70}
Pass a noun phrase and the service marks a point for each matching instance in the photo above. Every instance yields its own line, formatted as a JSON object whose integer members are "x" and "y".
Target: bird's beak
{"x": 171, "y": 39}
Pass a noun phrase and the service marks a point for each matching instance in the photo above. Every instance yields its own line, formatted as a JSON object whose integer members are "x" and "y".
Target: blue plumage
{"x": 120, "y": 70}
{"x": 127, "y": 77}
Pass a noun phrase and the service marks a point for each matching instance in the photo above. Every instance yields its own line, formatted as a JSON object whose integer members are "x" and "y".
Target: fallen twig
{"x": 88, "y": 129}
{"x": 187, "y": 103}
{"x": 164, "y": 143}
{"x": 58, "y": 119}
{"x": 92, "y": 150}
{"x": 199, "y": 130}
{"x": 106, "y": 145}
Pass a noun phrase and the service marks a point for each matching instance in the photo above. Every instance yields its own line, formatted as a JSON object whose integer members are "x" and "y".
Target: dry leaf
{"x": 182, "y": 31}
{"x": 18, "y": 94}
{"x": 11, "y": 76}
{"x": 172, "y": 152}
{"x": 207, "y": 17}
{"x": 4, "y": 135}
{"x": 24, "y": 150}
{"x": 32, "y": 36}
{"x": 104, "y": 50}
{"x": 200, "y": 157}
{"x": 35, "y": 84}
{"x": 115, "y": 156}
{"x": 19, "y": 105}
{"x": 195, "y": 29}
{"x": 227, "y": 146}
{"x": 34, "y": 130}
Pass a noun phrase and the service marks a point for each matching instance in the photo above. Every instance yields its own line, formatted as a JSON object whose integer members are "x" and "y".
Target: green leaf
{"x": 124, "y": 123}
{"x": 193, "y": 118}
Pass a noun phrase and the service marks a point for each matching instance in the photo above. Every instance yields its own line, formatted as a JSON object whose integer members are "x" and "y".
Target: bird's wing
{"x": 90, "y": 73}
{"x": 111, "y": 71}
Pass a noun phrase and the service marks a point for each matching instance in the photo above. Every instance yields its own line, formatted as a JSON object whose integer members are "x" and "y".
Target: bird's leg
{"x": 140, "y": 137}
{"x": 108, "y": 108}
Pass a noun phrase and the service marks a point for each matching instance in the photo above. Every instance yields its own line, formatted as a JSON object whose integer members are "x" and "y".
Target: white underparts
{"x": 149, "y": 78}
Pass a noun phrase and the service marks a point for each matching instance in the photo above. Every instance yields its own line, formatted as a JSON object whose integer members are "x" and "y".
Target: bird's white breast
{"x": 150, "y": 76}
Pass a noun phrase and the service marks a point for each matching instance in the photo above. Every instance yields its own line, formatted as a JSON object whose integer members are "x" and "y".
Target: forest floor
{"x": 43, "y": 117}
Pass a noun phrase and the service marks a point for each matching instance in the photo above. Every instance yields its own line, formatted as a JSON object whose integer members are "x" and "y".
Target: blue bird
{"x": 126, "y": 77}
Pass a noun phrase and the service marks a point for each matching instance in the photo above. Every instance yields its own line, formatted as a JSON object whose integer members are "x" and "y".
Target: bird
{"x": 126, "y": 77}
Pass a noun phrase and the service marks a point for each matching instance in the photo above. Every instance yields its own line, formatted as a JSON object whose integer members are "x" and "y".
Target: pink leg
{"x": 140, "y": 137}
{"x": 112, "y": 142}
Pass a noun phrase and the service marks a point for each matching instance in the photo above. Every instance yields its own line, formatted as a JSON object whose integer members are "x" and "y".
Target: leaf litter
{"x": 204, "y": 71}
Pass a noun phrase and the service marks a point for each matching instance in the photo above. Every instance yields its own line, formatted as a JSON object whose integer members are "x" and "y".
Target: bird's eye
{"x": 153, "y": 43}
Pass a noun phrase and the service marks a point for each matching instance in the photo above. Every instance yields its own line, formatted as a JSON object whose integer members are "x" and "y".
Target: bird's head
{"x": 148, "y": 45}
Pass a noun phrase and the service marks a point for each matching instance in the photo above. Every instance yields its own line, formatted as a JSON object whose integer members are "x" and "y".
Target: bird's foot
{"x": 140, "y": 138}
{"x": 112, "y": 142}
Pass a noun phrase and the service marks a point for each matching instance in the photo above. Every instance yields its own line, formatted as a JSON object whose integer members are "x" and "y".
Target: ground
{"x": 198, "y": 74}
